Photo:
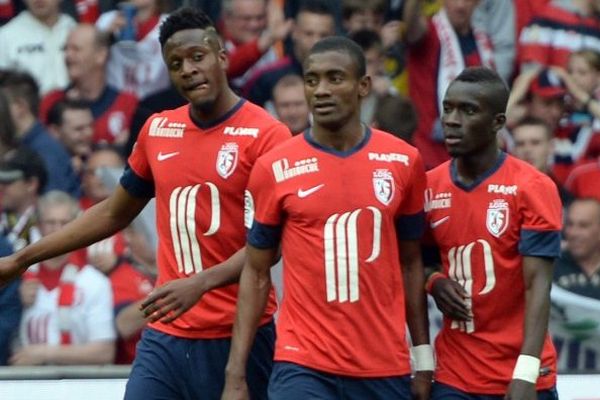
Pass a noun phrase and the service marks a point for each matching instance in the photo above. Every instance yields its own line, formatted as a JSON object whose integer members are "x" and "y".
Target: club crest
{"x": 497, "y": 217}
{"x": 227, "y": 159}
{"x": 383, "y": 184}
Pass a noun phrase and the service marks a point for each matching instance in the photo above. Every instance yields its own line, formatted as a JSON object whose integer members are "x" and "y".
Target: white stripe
{"x": 195, "y": 258}
{"x": 468, "y": 274}
{"x": 215, "y": 204}
{"x": 376, "y": 234}
{"x": 353, "y": 256}
{"x": 342, "y": 257}
{"x": 173, "y": 201}
{"x": 329, "y": 250}
{"x": 488, "y": 262}
{"x": 184, "y": 235}
{"x": 452, "y": 275}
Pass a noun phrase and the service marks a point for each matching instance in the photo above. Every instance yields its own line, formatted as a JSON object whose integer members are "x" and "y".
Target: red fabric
{"x": 525, "y": 10}
{"x": 583, "y": 180}
{"x": 7, "y": 9}
{"x": 87, "y": 11}
{"x": 242, "y": 57}
{"x": 143, "y": 28}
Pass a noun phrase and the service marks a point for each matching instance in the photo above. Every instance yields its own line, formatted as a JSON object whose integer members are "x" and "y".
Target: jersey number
{"x": 182, "y": 219}
{"x": 461, "y": 271}
{"x": 341, "y": 254}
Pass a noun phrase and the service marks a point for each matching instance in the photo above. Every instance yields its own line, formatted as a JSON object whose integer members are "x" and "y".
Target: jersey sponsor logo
{"x": 182, "y": 218}
{"x": 439, "y": 201}
{"x": 503, "y": 189}
{"x": 248, "y": 209}
{"x": 31, "y": 48}
{"x": 165, "y": 156}
{"x": 283, "y": 171}
{"x": 341, "y": 254}
{"x": 383, "y": 184}
{"x": 497, "y": 217}
{"x": 161, "y": 127}
{"x": 227, "y": 159}
{"x": 239, "y": 131}
{"x": 461, "y": 270}
{"x": 305, "y": 193}
{"x": 389, "y": 157}
{"x": 435, "y": 224}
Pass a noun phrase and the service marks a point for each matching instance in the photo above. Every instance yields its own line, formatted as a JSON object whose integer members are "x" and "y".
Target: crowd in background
{"x": 78, "y": 79}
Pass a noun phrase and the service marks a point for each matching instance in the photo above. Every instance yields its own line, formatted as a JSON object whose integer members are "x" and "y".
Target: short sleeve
{"x": 138, "y": 159}
{"x": 263, "y": 208}
{"x": 541, "y": 212}
{"x": 414, "y": 196}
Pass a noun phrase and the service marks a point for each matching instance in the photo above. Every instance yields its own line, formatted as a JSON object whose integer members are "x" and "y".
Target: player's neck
{"x": 471, "y": 167}
{"x": 341, "y": 139}
{"x": 221, "y": 106}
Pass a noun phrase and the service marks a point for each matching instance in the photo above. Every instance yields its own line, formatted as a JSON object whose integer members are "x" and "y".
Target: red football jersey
{"x": 343, "y": 299}
{"x": 483, "y": 231}
{"x": 199, "y": 174}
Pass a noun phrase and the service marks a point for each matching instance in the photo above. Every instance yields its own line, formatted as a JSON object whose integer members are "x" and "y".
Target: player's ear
{"x": 364, "y": 86}
{"x": 499, "y": 121}
{"x": 223, "y": 59}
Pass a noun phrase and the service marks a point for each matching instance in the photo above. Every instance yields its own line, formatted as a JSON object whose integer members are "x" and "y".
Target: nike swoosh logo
{"x": 165, "y": 156}
{"x": 435, "y": 224}
{"x": 304, "y": 193}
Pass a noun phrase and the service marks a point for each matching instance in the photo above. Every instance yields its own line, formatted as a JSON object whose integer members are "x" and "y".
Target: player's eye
{"x": 174, "y": 65}
{"x": 310, "y": 81}
{"x": 197, "y": 57}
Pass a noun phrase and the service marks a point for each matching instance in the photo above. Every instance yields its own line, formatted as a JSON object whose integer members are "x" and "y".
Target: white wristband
{"x": 527, "y": 368}
{"x": 423, "y": 355}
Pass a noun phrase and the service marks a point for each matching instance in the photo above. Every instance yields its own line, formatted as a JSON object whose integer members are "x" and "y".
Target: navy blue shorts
{"x": 440, "y": 391}
{"x": 294, "y": 382}
{"x": 172, "y": 368}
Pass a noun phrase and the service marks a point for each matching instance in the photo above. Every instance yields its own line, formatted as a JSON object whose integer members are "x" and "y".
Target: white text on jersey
{"x": 161, "y": 127}
{"x": 283, "y": 171}
{"x": 239, "y": 131}
{"x": 389, "y": 157}
{"x": 441, "y": 200}
{"x": 502, "y": 189}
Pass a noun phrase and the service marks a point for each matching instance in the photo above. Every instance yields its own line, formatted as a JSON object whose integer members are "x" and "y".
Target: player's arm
{"x": 93, "y": 353}
{"x": 537, "y": 276}
{"x": 98, "y": 222}
{"x": 415, "y": 23}
{"x": 255, "y": 284}
{"x": 167, "y": 302}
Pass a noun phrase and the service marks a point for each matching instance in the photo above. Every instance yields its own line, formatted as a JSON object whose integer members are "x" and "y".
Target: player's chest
{"x": 198, "y": 159}
{"x": 320, "y": 186}
{"x": 486, "y": 213}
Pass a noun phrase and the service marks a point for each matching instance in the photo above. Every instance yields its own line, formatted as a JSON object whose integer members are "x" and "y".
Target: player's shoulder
{"x": 526, "y": 175}
{"x": 386, "y": 145}
{"x": 292, "y": 148}
{"x": 439, "y": 172}
{"x": 257, "y": 115}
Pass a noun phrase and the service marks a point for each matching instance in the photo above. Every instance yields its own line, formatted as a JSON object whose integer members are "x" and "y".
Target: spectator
{"x": 314, "y": 21}
{"x": 290, "y": 103}
{"x": 34, "y": 40}
{"x": 136, "y": 65}
{"x": 561, "y": 27}
{"x": 10, "y": 309}
{"x": 362, "y": 14}
{"x": 22, "y": 177}
{"x": 8, "y": 141}
{"x": 533, "y": 144}
{"x": 94, "y": 190}
{"x": 249, "y": 30}
{"x": 583, "y": 180}
{"x": 439, "y": 49}
{"x": 71, "y": 122}
{"x": 86, "y": 56}
{"x": 578, "y": 271}
{"x": 396, "y": 115}
{"x": 370, "y": 43}
{"x": 68, "y": 315}
{"x": 23, "y": 97}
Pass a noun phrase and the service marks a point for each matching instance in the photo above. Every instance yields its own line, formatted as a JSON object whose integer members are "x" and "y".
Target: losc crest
{"x": 227, "y": 159}
{"x": 497, "y": 217}
{"x": 383, "y": 185}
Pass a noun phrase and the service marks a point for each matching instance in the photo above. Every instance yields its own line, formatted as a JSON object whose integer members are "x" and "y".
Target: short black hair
{"x": 342, "y": 44}
{"x": 23, "y": 163}
{"x": 181, "y": 19}
{"x": 21, "y": 85}
{"x": 57, "y": 111}
{"x": 499, "y": 92}
{"x": 366, "y": 39}
{"x": 316, "y": 7}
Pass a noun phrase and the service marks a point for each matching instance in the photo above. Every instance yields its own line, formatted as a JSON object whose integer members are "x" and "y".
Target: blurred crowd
{"x": 78, "y": 79}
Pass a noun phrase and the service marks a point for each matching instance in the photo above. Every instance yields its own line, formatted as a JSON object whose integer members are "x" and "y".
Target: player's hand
{"x": 28, "y": 291}
{"x": 35, "y": 354}
{"x": 277, "y": 26}
{"x": 167, "y": 302}
{"x": 521, "y": 390}
{"x": 235, "y": 388}
{"x": 450, "y": 298}
{"x": 9, "y": 270}
{"x": 421, "y": 385}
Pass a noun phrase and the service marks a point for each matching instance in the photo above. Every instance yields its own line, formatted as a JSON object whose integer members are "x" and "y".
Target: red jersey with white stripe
{"x": 343, "y": 299}
{"x": 199, "y": 175}
{"x": 483, "y": 231}
{"x": 555, "y": 33}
